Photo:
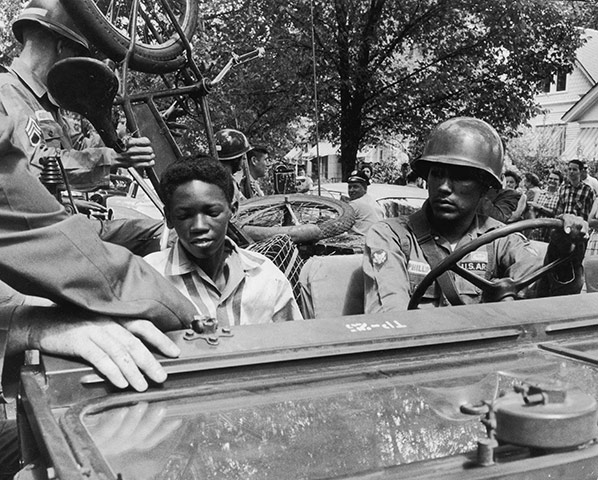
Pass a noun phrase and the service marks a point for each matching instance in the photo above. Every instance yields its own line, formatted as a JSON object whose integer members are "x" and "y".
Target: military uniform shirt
{"x": 22, "y": 93}
{"x": 391, "y": 276}
{"x": 47, "y": 253}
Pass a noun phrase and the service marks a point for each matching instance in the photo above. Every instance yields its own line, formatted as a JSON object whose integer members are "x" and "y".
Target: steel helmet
{"x": 467, "y": 142}
{"x": 231, "y": 144}
{"x": 52, "y": 15}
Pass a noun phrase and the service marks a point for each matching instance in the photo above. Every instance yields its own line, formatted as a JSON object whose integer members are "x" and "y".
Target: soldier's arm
{"x": 386, "y": 280}
{"x": 49, "y": 254}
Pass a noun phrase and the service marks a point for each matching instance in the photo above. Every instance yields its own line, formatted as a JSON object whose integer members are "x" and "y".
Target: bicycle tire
{"x": 161, "y": 57}
{"x": 338, "y": 217}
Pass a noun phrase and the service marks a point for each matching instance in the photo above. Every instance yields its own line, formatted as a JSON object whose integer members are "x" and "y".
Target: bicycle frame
{"x": 143, "y": 118}
{"x": 142, "y": 115}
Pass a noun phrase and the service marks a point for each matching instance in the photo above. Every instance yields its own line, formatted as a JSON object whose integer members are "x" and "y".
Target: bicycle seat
{"x": 88, "y": 87}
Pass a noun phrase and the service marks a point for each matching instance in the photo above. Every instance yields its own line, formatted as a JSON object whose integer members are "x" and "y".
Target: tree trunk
{"x": 351, "y": 107}
{"x": 354, "y": 77}
{"x": 350, "y": 135}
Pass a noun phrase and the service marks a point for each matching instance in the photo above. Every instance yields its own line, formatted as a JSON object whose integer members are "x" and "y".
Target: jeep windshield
{"x": 366, "y": 396}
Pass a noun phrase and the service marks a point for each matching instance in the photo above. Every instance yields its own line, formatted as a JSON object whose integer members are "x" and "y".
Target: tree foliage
{"x": 383, "y": 68}
{"x": 9, "y": 46}
{"x": 532, "y": 151}
{"x": 391, "y": 67}
{"x": 265, "y": 97}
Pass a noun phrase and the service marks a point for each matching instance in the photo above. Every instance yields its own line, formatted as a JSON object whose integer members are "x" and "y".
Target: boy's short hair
{"x": 199, "y": 167}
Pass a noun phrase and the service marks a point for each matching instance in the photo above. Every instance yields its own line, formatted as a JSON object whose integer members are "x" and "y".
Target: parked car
{"x": 133, "y": 204}
{"x": 395, "y": 199}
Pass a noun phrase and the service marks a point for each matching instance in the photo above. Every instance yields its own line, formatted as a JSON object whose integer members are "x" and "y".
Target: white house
{"x": 330, "y": 159}
{"x": 569, "y": 125}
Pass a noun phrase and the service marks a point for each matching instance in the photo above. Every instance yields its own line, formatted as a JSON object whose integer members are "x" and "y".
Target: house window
{"x": 561, "y": 82}
{"x": 545, "y": 87}
{"x": 323, "y": 163}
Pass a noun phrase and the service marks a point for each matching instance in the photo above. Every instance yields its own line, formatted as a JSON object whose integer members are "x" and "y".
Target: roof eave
{"x": 581, "y": 106}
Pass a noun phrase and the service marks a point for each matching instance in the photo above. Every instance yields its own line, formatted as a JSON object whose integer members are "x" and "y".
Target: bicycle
{"x": 159, "y": 44}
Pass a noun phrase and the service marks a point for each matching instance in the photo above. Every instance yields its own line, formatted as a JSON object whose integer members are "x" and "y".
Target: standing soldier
{"x": 46, "y": 252}
{"x": 49, "y": 35}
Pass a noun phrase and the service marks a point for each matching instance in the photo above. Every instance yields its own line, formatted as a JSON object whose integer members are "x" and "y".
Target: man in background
{"x": 232, "y": 147}
{"x": 304, "y": 183}
{"x": 588, "y": 179}
{"x": 367, "y": 210}
{"x": 575, "y": 196}
{"x": 257, "y": 162}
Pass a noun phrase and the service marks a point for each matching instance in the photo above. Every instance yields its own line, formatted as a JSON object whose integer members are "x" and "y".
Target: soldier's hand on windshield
{"x": 139, "y": 154}
{"x": 114, "y": 347}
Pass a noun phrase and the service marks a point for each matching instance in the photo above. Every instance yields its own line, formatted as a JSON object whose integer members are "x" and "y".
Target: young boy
{"x": 233, "y": 285}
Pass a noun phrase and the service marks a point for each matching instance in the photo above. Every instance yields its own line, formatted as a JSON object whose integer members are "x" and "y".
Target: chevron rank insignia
{"x": 33, "y": 132}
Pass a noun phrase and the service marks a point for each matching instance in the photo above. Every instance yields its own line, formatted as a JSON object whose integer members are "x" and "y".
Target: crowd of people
{"x": 523, "y": 196}
{"x": 80, "y": 287}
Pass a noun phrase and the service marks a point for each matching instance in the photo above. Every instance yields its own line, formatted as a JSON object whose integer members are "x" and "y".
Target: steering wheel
{"x": 498, "y": 289}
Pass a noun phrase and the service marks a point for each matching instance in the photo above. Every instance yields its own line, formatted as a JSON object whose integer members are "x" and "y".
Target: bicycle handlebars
{"x": 236, "y": 60}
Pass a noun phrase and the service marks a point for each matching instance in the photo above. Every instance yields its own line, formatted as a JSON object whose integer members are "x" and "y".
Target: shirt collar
{"x": 179, "y": 263}
{"x": 480, "y": 225}
{"x": 22, "y": 70}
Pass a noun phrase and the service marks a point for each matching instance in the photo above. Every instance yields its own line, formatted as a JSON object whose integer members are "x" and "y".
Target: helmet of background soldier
{"x": 51, "y": 15}
{"x": 466, "y": 142}
{"x": 231, "y": 144}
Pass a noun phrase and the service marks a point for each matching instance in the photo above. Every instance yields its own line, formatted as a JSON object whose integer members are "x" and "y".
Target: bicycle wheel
{"x": 158, "y": 48}
{"x": 305, "y": 218}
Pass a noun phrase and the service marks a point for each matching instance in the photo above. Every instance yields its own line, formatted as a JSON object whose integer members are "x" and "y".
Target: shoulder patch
{"x": 379, "y": 258}
{"x": 34, "y": 132}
